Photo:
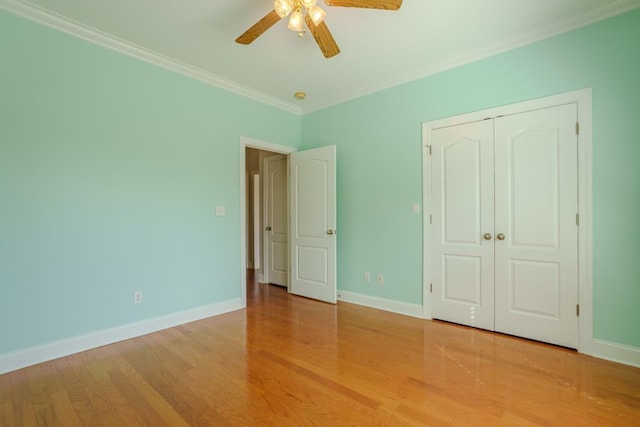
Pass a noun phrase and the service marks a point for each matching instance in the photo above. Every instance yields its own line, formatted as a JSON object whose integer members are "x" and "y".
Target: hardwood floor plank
{"x": 290, "y": 361}
{"x": 6, "y": 413}
{"x": 136, "y": 405}
{"x": 64, "y": 412}
{"x": 27, "y": 416}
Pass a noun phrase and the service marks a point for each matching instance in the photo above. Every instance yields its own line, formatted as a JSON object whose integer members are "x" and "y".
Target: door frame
{"x": 583, "y": 99}
{"x": 246, "y": 142}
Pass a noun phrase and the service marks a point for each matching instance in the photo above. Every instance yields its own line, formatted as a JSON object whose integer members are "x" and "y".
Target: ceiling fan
{"x": 307, "y": 11}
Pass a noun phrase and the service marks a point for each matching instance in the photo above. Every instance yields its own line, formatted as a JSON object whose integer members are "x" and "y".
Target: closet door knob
{"x": 268, "y": 228}
{"x": 500, "y": 236}
{"x": 487, "y": 236}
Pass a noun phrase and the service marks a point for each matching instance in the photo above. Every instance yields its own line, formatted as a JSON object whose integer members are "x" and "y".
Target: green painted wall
{"x": 110, "y": 171}
{"x": 379, "y": 161}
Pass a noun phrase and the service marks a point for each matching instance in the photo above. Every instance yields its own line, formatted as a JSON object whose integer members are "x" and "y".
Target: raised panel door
{"x": 462, "y": 208}
{"x": 313, "y": 224}
{"x": 276, "y": 232}
{"x": 536, "y": 262}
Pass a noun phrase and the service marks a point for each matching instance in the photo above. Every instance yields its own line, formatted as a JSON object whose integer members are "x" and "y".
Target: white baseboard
{"x": 53, "y": 350}
{"x": 413, "y": 310}
{"x": 615, "y": 352}
{"x": 602, "y": 349}
{"x": 619, "y": 353}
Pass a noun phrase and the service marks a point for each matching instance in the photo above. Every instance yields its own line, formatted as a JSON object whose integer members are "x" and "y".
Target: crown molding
{"x": 50, "y": 19}
{"x": 597, "y": 14}
{"x": 87, "y": 33}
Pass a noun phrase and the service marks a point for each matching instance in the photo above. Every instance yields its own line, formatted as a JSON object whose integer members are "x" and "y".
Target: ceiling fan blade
{"x": 367, "y": 4}
{"x": 323, "y": 37}
{"x": 259, "y": 27}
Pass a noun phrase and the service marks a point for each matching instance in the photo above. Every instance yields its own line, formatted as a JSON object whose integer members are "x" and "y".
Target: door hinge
{"x": 578, "y": 219}
{"x": 429, "y": 147}
{"x": 577, "y": 128}
{"x": 430, "y": 219}
{"x": 578, "y": 310}
{"x": 431, "y": 287}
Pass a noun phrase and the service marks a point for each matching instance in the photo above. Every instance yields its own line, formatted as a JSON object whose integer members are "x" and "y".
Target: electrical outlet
{"x": 380, "y": 279}
{"x": 137, "y": 297}
{"x": 367, "y": 276}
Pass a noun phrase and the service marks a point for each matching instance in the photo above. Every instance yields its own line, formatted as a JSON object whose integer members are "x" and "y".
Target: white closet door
{"x": 462, "y": 189}
{"x": 535, "y": 209}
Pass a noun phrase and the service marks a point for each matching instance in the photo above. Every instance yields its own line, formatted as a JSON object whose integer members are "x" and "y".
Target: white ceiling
{"x": 379, "y": 48}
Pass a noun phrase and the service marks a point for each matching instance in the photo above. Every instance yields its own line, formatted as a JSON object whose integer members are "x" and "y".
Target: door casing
{"x": 583, "y": 98}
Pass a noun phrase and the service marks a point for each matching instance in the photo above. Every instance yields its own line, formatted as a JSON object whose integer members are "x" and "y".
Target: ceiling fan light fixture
{"x": 307, "y": 12}
{"x": 283, "y": 7}
{"x": 317, "y": 14}
{"x": 296, "y": 23}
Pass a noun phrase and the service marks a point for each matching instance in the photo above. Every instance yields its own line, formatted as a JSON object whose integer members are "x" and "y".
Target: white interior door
{"x": 536, "y": 257}
{"x": 504, "y": 235}
{"x": 256, "y": 222}
{"x": 313, "y": 223}
{"x": 275, "y": 219}
{"x": 462, "y": 208}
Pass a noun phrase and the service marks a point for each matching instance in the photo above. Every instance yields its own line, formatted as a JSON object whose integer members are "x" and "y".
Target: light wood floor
{"x": 289, "y": 361}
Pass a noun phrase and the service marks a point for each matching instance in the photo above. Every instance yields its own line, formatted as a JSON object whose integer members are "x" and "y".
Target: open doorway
{"x": 257, "y": 244}
{"x": 309, "y": 254}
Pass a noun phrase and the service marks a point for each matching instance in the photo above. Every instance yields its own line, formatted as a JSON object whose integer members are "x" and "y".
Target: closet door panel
{"x": 462, "y": 174}
{"x": 536, "y": 205}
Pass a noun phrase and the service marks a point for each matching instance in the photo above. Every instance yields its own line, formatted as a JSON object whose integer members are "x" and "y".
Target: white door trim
{"x": 583, "y": 98}
{"x": 246, "y": 142}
